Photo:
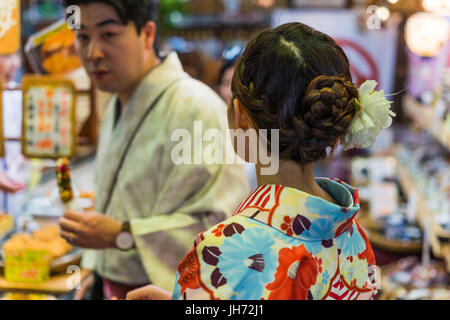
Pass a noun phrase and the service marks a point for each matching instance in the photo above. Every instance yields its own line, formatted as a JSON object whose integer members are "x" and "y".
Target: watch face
{"x": 125, "y": 240}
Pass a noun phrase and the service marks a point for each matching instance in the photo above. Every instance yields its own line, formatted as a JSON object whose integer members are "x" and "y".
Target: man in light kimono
{"x": 148, "y": 209}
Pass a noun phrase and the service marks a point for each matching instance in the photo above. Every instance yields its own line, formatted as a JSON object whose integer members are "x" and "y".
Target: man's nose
{"x": 95, "y": 51}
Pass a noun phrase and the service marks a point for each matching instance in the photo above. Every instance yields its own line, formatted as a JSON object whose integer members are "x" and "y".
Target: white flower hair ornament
{"x": 374, "y": 114}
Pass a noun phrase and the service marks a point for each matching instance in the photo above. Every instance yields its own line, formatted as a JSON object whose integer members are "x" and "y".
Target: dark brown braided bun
{"x": 297, "y": 80}
{"x": 326, "y": 111}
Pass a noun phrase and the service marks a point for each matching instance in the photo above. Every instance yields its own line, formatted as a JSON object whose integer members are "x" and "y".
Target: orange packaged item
{"x": 6, "y": 224}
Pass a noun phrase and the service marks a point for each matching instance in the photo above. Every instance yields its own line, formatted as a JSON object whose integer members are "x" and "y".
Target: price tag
{"x": 383, "y": 199}
{"x": 27, "y": 266}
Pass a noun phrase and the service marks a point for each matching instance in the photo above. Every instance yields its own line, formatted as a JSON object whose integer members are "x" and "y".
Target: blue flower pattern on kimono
{"x": 249, "y": 260}
{"x": 176, "y": 294}
{"x": 248, "y": 256}
{"x": 325, "y": 277}
{"x": 313, "y": 246}
{"x": 321, "y": 228}
{"x": 351, "y": 242}
{"x": 317, "y": 205}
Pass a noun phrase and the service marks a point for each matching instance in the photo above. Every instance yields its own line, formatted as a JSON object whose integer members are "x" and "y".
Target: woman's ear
{"x": 241, "y": 118}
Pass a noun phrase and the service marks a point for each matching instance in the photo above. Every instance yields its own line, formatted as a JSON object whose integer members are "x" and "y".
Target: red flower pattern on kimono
{"x": 296, "y": 273}
{"x": 189, "y": 270}
{"x": 368, "y": 253}
{"x": 287, "y": 225}
{"x": 345, "y": 226}
{"x": 218, "y": 231}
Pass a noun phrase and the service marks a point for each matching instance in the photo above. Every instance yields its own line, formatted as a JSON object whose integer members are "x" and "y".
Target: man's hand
{"x": 8, "y": 185}
{"x": 149, "y": 292}
{"x": 91, "y": 230}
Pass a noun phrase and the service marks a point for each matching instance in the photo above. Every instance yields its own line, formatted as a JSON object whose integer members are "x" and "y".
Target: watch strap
{"x": 126, "y": 227}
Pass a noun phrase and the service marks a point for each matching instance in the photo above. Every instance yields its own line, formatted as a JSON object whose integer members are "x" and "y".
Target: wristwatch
{"x": 125, "y": 240}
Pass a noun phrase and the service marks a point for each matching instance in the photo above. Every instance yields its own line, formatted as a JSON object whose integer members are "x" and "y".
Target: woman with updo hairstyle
{"x": 295, "y": 236}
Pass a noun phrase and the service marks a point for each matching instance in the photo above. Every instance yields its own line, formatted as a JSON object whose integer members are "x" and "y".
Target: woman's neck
{"x": 293, "y": 175}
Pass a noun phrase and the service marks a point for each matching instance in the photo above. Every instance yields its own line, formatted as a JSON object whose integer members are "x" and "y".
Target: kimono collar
{"x": 156, "y": 80}
{"x": 301, "y": 215}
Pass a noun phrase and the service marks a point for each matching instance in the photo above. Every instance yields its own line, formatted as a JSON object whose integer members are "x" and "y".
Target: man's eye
{"x": 108, "y": 35}
{"x": 82, "y": 37}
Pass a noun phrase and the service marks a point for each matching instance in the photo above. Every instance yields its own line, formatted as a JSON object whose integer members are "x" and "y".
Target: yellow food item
{"x": 47, "y": 238}
{"x": 6, "y": 224}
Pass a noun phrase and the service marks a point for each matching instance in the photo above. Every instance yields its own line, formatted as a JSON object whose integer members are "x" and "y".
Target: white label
{"x": 383, "y": 200}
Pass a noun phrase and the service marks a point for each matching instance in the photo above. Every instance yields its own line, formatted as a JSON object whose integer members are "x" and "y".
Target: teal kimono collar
{"x": 301, "y": 215}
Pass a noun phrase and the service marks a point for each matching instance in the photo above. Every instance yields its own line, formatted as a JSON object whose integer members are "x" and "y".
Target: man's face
{"x": 112, "y": 53}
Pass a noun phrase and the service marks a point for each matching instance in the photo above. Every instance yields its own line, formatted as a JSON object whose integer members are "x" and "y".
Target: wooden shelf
{"x": 425, "y": 117}
{"x": 440, "y": 249}
{"x": 55, "y": 285}
{"x": 374, "y": 231}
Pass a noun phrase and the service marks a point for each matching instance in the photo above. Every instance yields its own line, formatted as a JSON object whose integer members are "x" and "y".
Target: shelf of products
{"x": 424, "y": 174}
{"x": 424, "y": 214}
{"x": 401, "y": 194}
{"x": 383, "y": 206}
{"x": 428, "y": 119}
{"x": 36, "y": 228}
{"x": 408, "y": 279}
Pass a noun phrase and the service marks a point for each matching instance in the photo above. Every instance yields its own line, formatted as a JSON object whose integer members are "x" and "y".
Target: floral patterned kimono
{"x": 282, "y": 243}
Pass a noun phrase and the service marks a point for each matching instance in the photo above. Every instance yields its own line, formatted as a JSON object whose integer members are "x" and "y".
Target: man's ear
{"x": 148, "y": 31}
{"x": 241, "y": 118}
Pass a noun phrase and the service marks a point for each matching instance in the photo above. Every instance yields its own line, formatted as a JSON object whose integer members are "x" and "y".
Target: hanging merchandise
{"x": 9, "y": 26}
{"x": 52, "y": 50}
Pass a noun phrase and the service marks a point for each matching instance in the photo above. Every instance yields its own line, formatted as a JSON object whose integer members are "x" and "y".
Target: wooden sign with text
{"x": 48, "y": 125}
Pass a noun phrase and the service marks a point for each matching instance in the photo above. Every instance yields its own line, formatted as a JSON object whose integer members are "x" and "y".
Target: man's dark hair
{"x": 136, "y": 11}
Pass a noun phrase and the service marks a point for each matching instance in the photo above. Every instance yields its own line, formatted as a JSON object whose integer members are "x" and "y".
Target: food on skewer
{"x": 64, "y": 182}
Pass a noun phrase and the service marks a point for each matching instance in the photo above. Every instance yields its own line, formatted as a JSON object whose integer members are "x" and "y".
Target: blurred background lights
{"x": 383, "y": 13}
{"x": 426, "y": 34}
{"x": 436, "y": 5}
